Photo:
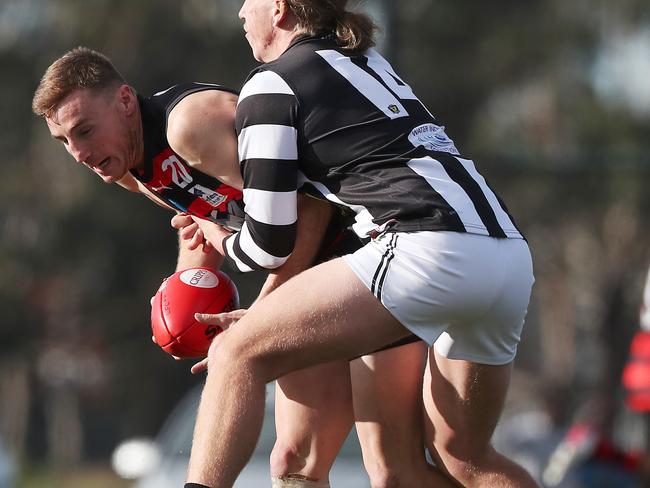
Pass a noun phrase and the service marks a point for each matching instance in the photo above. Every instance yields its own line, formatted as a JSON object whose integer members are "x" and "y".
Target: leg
{"x": 463, "y": 401}
{"x": 387, "y": 389}
{"x": 313, "y": 416}
{"x": 279, "y": 334}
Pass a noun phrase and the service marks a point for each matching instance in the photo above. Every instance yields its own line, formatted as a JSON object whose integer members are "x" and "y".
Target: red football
{"x": 194, "y": 290}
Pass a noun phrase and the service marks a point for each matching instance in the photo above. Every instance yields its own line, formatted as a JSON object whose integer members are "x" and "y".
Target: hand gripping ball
{"x": 194, "y": 290}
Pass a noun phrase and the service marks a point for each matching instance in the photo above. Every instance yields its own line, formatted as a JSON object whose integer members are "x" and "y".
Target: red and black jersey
{"x": 170, "y": 177}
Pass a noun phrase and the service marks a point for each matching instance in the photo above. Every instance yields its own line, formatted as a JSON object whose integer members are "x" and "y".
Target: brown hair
{"x": 354, "y": 31}
{"x": 78, "y": 68}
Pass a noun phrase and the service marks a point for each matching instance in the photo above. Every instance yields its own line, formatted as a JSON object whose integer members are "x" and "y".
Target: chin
{"x": 107, "y": 179}
{"x": 110, "y": 178}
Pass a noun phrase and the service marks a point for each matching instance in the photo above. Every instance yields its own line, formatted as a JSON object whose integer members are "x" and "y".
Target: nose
{"x": 240, "y": 14}
{"x": 80, "y": 153}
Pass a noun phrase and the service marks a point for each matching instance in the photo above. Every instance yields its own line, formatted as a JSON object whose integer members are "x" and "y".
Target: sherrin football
{"x": 186, "y": 292}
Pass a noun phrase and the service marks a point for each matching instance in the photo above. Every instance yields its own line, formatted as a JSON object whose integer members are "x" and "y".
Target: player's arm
{"x": 201, "y": 129}
{"x": 269, "y": 167}
{"x": 203, "y": 256}
{"x": 267, "y": 123}
{"x": 313, "y": 219}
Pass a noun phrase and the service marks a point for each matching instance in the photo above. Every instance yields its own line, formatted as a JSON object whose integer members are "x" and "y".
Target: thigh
{"x": 463, "y": 401}
{"x": 387, "y": 388}
{"x": 323, "y": 314}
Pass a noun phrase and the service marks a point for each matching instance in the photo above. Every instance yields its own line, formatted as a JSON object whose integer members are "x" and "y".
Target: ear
{"x": 126, "y": 98}
{"x": 281, "y": 13}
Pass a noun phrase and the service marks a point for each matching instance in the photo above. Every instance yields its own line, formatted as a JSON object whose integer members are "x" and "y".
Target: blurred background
{"x": 550, "y": 98}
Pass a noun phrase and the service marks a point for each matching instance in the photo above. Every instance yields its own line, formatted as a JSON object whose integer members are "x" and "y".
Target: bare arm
{"x": 313, "y": 218}
{"x": 203, "y": 256}
{"x": 201, "y": 129}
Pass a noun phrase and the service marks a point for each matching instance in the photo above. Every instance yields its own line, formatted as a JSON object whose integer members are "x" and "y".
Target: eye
{"x": 85, "y": 131}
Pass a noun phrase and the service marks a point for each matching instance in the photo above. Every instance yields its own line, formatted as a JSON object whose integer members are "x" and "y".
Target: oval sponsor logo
{"x": 201, "y": 278}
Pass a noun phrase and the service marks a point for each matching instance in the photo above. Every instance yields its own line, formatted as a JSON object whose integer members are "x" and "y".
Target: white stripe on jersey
{"x": 268, "y": 142}
{"x": 435, "y": 175}
{"x": 380, "y": 66}
{"x": 502, "y": 217}
{"x": 264, "y": 82}
{"x": 367, "y": 86}
{"x": 275, "y": 208}
{"x": 230, "y": 251}
{"x": 256, "y": 253}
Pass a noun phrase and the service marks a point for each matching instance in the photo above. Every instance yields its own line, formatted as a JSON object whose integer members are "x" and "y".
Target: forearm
{"x": 313, "y": 219}
{"x": 199, "y": 257}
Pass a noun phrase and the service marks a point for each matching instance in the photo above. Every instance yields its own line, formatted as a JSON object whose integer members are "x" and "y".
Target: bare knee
{"x": 486, "y": 468}
{"x": 381, "y": 476}
{"x": 286, "y": 460}
{"x": 296, "y": 462}
{"x": 461, "y": 457}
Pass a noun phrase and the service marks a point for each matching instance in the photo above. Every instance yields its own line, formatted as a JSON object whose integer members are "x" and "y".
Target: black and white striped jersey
{"x": 351, "y": 128}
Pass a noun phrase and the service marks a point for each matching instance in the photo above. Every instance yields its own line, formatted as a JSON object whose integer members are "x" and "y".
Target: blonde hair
{"x": 354, "y": 31}
{"x": 79, "y": 68}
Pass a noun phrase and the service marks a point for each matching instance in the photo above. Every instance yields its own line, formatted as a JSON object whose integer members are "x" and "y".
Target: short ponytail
{"x": 354, "y": 31}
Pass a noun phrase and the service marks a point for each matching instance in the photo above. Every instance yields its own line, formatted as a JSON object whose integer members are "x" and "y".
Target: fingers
{"x": 239, "y": 313}
{"x": 207, "y": 247}
{"x": 181, "y": 220}
{"x": 223, "y": 320}
{"x": 188, "y": 231}
{"x": 196, "y": 240}
{"x": 200, "y": 366}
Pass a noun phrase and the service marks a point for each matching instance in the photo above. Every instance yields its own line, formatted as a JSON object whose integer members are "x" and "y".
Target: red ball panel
{"x": 196, "y": 290}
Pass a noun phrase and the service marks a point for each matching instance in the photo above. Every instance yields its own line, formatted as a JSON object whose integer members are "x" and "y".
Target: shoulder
{"x": 263, "y": 84}
{"x": 286, "y": 75}
{"x": 198, "y": 112}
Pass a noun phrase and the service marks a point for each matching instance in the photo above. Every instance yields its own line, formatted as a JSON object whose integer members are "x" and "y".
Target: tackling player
{"x": 445, "y": 262}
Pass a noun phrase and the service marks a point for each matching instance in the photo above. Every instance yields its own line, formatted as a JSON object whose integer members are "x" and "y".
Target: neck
{"x": 281, "y": 43}
{"x": 136, "y": 140}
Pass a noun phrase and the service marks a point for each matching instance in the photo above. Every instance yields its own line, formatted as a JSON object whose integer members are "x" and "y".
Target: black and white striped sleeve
{"x": 268, "y": 154}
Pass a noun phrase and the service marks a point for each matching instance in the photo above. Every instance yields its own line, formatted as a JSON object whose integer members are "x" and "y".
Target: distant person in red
{"x": 636, "y": 376}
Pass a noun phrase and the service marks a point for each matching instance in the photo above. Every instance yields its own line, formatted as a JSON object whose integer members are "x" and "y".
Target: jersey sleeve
{"x": 267, "y": 114}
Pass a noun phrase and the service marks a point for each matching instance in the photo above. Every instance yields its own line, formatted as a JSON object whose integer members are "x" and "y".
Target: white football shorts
{"x": 465, "y": 294}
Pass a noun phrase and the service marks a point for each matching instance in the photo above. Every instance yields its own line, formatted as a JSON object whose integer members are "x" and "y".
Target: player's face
{"x": 99, "y": 131}
{"x": 258, "y": 25}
